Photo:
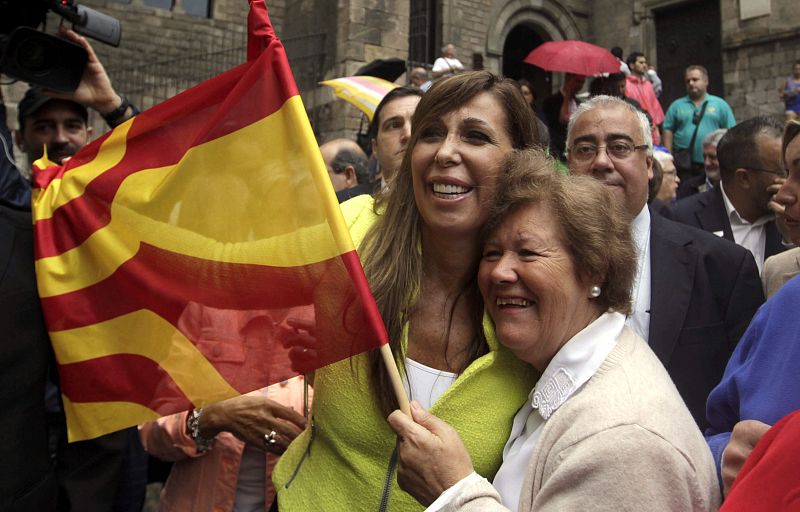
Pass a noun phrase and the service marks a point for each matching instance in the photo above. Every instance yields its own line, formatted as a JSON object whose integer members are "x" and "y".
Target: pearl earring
{"x": 594, "y": 292}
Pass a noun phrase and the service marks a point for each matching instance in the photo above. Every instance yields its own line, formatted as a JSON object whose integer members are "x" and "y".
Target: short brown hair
{"x": 697, "y": 67}
{"x": 594, "y": 226}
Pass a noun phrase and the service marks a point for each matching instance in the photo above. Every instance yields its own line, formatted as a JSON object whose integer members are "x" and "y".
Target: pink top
{"x": 642, "y": 91}
{"x": 207, "y": 482}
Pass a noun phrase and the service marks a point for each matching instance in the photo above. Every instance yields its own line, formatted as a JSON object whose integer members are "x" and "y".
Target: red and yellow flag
{"x": 169, "y": 250}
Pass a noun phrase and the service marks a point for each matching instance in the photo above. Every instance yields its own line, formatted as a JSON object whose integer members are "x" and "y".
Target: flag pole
{"x": 394, "y": 376}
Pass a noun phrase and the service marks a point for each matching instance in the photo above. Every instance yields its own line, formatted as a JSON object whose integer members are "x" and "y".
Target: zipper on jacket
{"x": 387, "y": 484}
{"x": 305, "y": 455}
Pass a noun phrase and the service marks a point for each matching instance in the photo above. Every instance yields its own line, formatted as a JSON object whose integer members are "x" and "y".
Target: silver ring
{"x": 269, "y": 439}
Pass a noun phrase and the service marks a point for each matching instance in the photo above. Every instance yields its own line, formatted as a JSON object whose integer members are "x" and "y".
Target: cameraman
{"x": 58, "y": 121}
{"x": 103, "y": 474}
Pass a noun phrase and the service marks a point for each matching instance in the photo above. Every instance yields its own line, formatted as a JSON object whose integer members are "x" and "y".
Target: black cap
{"x": 35, "y": 98}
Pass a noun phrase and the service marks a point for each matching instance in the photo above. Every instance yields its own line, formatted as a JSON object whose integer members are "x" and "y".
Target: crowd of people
{"x": 619, "y": 336}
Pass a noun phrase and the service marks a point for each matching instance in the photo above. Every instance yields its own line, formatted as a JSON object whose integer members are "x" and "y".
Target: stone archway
{"x": 543, "y": 20}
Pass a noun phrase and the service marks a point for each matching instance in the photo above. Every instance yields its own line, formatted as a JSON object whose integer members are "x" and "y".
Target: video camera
{"x": 41, "y": 59}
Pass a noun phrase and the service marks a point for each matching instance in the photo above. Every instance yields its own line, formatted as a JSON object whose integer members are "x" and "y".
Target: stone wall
{"x": 757, "y": 56}
{"x": 757, "y": 53}
{"x": 356, "y": 33}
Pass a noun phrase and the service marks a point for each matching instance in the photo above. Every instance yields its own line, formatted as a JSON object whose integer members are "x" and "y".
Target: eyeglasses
{"x": 617, "y": 150}
{"x": 780, "y": 173}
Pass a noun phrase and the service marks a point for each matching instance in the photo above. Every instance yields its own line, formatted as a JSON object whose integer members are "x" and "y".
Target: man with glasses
{"x": 695, "y": 293}
{"x": 738, "y": 209}
{"x": 691, "y": 118}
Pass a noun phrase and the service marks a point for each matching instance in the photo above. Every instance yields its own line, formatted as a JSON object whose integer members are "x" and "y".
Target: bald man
{"x": 348, "y": 168}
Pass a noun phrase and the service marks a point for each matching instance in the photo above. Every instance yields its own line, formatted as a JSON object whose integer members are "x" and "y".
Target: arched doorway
{"x": 521, "y": 40}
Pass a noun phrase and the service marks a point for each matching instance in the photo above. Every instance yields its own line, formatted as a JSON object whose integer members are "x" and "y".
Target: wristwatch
{"x": 116, "y": 116}
{"x": 193, "y": 429}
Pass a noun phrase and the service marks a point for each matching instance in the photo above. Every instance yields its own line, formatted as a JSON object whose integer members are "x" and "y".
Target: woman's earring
{"x": 594, "y": 292}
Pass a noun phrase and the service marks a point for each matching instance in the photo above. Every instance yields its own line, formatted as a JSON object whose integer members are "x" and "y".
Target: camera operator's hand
{"x": 95, "y": 89}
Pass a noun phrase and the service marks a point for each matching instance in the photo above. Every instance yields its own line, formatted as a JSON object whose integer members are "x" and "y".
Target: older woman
{"x": 420, "y": 246}
{"x": 604, "y": 428}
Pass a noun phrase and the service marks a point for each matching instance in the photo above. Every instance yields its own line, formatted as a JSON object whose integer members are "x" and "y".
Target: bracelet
{"x": 113, "y": 117}
{"x": 193, "y": 428}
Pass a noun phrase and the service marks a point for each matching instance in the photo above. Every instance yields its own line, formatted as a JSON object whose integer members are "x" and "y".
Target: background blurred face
{"x": 394, "y": 130}
{"x": 669, "y": 182}
{"x": 450, "y": 51}
{"x": 627, "y": 179}
{"x": 640, "y": 65}
{"x": 527, "y": 94}
{"x": 789, "y": 194}
{"x": 531, "y": 288}
{"x": 711, "y": 163}
{"x": 696, "y": 84}
{"x": 455, "y": 163}
{"x": 57, "y": 125}
{"x": 796, "y": 71}
{"x": 573, "y": 83}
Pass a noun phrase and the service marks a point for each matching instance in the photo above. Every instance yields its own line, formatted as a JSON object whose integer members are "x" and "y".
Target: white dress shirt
{"x": 572, "y": 366}
{"x": 639, "y": 320}
{"x": 751, "y": 236}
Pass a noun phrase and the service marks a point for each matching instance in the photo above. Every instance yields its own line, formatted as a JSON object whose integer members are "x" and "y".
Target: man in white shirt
{"x": 695, "y": 294}
{"x": 750, "y": 165}
{"x": 447, "y": 64}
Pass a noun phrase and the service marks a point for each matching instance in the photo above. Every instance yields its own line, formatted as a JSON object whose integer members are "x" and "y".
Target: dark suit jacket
{"x": 103, "y": 474}
{"x": 706, "y": 211}
{"x": 26, "y": 479}
{"x": 692, "y": 185}
{"x": 704, "y": 291}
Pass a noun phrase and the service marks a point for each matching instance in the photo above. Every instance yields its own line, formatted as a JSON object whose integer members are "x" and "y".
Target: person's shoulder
{"x": 359, "y": 215}
{"x": 623, "y": 392}
{"x": 690, "y": 204}
{"x": 707, "y": 244}
{"x": 676, "y": 103}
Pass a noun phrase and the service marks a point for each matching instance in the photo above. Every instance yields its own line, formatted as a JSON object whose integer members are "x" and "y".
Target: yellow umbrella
{"x": 364, "y": 92}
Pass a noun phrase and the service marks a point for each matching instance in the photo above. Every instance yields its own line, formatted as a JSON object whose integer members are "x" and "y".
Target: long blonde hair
{"x": 391, "y": 248}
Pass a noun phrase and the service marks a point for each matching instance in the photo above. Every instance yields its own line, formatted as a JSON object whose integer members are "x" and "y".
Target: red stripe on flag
{"x": 122, "y": 378}
{"x": 171, "y": 285}
{"x": 161, "y": 136}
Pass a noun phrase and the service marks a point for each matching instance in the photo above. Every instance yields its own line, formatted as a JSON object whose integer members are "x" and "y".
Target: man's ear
{"x": 742, "y": 178}
{"x": 89, "y": 130}
{"x": 350, "y": 176}
{"x": 20, "y": 141}
{"x": 649, "y": 168}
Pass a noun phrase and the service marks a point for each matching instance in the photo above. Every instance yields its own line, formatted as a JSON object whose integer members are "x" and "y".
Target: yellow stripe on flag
{"x": 202, "y": 194}
{"x": 143, "y": 333}
{"x": 90, "y": 420}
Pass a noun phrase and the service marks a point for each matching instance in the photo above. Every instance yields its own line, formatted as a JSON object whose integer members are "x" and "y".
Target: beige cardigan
{"x": 624, "y": 442}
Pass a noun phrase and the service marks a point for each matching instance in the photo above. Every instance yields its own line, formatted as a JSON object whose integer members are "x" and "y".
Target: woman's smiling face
{"x": 455, "y": 163}
{"x": 531, "y": 287}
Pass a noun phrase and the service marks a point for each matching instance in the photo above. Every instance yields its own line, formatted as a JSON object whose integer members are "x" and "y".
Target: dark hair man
{"x": 738, "y": 209}
{"x": 640, "y": 89}
{"x": 391, "y": 128}
{"x": 348, "y": 168}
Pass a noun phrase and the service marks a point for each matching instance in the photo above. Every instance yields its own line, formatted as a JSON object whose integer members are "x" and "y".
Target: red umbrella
{"x": 578, "y": 57}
